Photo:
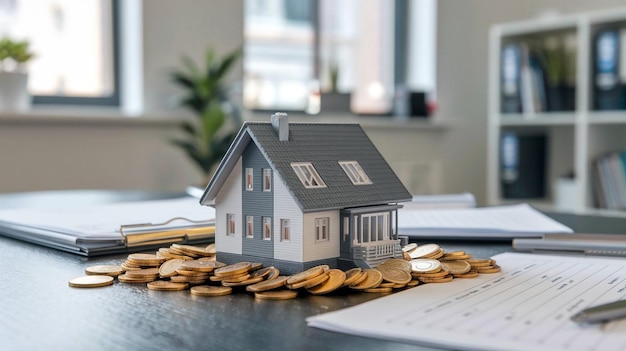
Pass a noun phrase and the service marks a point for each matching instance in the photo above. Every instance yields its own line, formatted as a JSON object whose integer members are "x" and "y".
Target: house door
{"x": 373, "y": 227}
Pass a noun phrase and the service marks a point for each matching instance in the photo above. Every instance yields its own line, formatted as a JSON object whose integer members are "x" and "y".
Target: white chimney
{"x": 280, "y": 122}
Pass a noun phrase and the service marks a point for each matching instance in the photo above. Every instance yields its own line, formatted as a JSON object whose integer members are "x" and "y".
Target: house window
{"x": 308, "y": 175}
{"x": 321, "y": 229}
{"x": 249, "y": 179}
{"x": 346, "y": 228}
{"x": 285, "y": 230}
{"x": 267, "y": 179}
{"x": 355, "y": 172}
{"x": 267, "y": 228}
{"x": 249, "y": 226}
{"x": 231, "y": 225}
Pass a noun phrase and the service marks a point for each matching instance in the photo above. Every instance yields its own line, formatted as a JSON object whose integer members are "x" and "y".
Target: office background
{"x": 63, "y": 148}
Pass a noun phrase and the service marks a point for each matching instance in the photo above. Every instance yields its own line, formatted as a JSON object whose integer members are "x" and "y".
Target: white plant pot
{"x": 14, "y": 96}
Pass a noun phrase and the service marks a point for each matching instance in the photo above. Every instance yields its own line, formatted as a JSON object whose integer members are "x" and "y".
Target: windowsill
{"x": 56, "y": 115}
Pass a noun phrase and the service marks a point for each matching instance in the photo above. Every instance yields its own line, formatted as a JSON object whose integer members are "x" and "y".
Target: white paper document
{"x": 525, "y": 307}
{"x": 484, "y": 222}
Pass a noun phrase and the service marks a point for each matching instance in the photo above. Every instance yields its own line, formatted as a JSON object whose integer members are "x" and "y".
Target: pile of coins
{"x": 182, "y": 267}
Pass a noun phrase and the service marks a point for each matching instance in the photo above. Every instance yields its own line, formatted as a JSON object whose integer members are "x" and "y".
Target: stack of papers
{"x": 498, "y": 222}
{"x": 109, "y": 228}
{"x": 525, "y": 307}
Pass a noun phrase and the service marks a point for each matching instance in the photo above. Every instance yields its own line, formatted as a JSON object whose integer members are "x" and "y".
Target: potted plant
{"x": 207, "y": 138}
{"x": 13, "y": 75}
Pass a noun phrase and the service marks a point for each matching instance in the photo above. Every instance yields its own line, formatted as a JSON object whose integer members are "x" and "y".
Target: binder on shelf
{"x": 522, "y": 165}
{"x": 609, "y": 180}
{"x": 607, "y": 84}
{"x": 510, "y": 79}
{"x": 112, "y": 228}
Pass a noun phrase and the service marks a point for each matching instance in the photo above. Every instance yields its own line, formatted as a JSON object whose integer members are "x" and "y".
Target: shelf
{"x": 576, "y": 138}
{"x": 607, "y": 117}
{"x": 540, "y": 119}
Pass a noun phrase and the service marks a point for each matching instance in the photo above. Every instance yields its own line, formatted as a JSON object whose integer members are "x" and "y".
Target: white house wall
{"x": 228, "y": 200}
{"x": 285, "y": 207}
{"x": 317, "y": 250}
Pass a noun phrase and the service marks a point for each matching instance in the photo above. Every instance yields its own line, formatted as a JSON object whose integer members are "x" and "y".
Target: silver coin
{"x": 425, "y": 265}
{"x": 409, "y": 247}
{"x": 424, "y": 250}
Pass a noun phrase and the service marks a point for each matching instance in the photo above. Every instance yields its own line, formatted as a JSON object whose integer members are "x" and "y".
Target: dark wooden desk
{"x": 41, "y": 312}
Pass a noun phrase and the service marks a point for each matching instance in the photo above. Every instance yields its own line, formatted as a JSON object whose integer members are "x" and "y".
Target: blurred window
{"x": 75, "y": 47}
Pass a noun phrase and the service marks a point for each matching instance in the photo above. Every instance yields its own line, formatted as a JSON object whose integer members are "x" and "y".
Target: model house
{"x": 303, "y": 194}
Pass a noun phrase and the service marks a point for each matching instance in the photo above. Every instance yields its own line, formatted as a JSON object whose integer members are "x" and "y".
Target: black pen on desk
{"x": 601, "y": 313}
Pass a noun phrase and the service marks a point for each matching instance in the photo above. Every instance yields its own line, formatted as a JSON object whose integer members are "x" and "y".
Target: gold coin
{"x": 455, "y": 253}
{"x": 470, "y": 274}
{"x": 144, "y": 259}
{"x": 194, "y": 250}
{"x": 413, "y": 283}
{"x": 436, "y": 255}
{"x": 268, "y": 284}
{"x": 165, "y": 285}
{"x": 307, "y": 274}
{"x": 352, "y": 275}
{"x": 334, "y": 282}
{"x": 124, "y": 279}
{"x": 406, "y": 256}
{"x": 188, "y": 279}
{"x": 208, "y": 290}
{"x": 274, "y": 273}
{"x": 255, "y": 266}
{"x": 395, "y": 275}
{"x": 398, "y": 264}
{"x": 210, "y": 248}
{"x": 263, "y": 272}
{"x": 479, "y": 262}
{"x": 425, "y": 265}
{"x": 276, "y": 294}
{"x": 249, "y": 281}
{"x": 489, "y": 269}
{"x": 233, "y": 269}
{"x": 372, "y": 280}
{"x": 447, "y": 278}
{"x": 91, "y": 281}
{"x": 386, "y": 284}
{"x": 203, "y": 275}
{"x": 143, "y": 273}
{"x": 236, "y": 279}
{"x": 200, "y": 265}
{"x": 168, "y": 268}
{"x": 424, "y": 250}
{"x": 379, "y": 290}
{"x": 440, "y": 274}
{"x": 310, "y": 282}
{"x": 456, "y": 267}
{"x": 105, "y": 269}
{"x": 457, "y": 257}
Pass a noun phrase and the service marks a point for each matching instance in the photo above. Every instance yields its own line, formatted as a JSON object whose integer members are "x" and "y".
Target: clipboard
{"x": 112, "y": 228}
{"x": 156, "y": 233}
{"x": 574, "y": 244}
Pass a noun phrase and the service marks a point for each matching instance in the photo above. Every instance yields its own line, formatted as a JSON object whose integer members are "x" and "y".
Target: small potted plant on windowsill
{"x": 14, "y": 94}
{"x": 207, "y": 138}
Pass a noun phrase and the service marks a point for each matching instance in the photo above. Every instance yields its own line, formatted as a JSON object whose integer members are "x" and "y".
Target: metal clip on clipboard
{"x": 161, "y": 233}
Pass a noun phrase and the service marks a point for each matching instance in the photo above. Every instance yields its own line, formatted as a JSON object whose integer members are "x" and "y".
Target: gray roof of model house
{"x": 323, "y": 145}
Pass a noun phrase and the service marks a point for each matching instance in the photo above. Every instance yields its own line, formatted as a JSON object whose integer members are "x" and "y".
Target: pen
{"x": 601, "y": 313}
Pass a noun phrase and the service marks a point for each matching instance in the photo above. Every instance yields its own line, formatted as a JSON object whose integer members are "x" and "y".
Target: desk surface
{"x": 40, "y": 311}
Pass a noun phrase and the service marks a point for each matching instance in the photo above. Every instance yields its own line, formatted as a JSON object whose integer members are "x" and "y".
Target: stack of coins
{"x": 182, "y": 267}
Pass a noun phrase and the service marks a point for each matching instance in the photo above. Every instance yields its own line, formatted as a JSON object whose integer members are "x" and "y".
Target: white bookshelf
{"x": 575, "y": 138}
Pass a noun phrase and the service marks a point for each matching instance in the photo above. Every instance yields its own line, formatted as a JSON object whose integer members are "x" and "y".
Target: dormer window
{"x": 308, "y": 175}
{"x": 355, "y": 172}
